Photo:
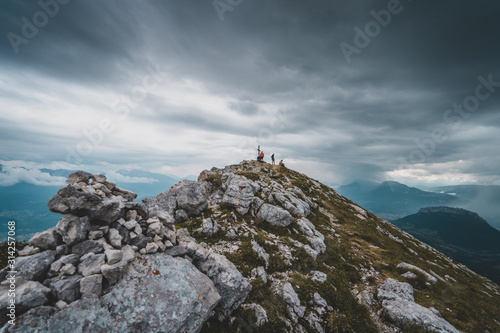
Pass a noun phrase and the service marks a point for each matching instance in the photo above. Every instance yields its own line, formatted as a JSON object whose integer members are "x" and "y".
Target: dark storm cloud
{"x": 358, "y": 116}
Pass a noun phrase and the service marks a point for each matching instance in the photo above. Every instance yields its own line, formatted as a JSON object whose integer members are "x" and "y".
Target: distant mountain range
{"x": 460, "y": 234}
{"x": 392, "y": 200}
{"x": 27, "y": 203}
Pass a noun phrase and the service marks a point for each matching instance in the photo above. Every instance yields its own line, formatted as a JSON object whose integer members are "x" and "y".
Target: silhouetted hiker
{"x": 282, "y": 164}
{"x": 272, "y": 158}
{"x": 261, "y": 157}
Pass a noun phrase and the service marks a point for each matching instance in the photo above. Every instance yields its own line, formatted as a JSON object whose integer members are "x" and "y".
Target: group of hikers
{"x": 260, "y": 158}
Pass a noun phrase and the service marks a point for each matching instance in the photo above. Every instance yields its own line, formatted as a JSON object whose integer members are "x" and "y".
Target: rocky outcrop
{"x": 28, "y": 294}
{"x": 295, "y": 310}
{"x": 399, "y": 306}
{"x": 183, "y": 200}
{"x": 239, "y": 193}
{"x": 275, "y": 216}
{"x": 316, "y": 239}
{"x": 230, "y": 283}
{"x": 47, "y": 240}
{"x": 179, "y": 299}
{"x": 90, "y": 268}
{"x": 34, "y": 267}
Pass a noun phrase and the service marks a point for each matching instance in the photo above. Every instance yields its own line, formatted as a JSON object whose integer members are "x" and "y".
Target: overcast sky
{"x": 341, "y": 90}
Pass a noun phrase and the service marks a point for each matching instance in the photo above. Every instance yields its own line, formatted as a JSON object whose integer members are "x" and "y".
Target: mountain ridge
{"x": 460, "y": 234}
{"x": 265, "y": 249}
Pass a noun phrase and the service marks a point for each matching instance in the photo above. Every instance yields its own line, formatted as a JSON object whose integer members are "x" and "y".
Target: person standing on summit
{"x": 261, "y": 157}
{"x": 272, "y": 159}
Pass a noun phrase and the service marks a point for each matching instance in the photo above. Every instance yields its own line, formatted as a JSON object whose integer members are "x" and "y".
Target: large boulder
{"x": 179, "y": 298}
{"x": 65, "y": 288}
{"x": 46, "y": 240}
{"x": 239, "y": 193}
{"x": 28, "y": 294}
{"x": 73, "y": 229}
{"x": 34, "y": 267}
{"x": 91, "y": 285}
{"x": 79, "y": 177}
{"x": 315, "y": 237}
{"x": 91, "y": 264}
{"x": 32, "y": 321}
{"x": 274, "y": 215}
{"x": 399, "y": 307}
{"x": 292, "y": 203}
{"x": 231, "y": 284}
{"x": 187, "y": 197}
{"x": 72, "y": 200}
{"x": 88, "y": 246}
{"x": 126, "y": 194}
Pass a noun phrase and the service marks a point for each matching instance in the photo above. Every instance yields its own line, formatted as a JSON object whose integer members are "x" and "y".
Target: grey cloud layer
{"x": 357, "y": 117}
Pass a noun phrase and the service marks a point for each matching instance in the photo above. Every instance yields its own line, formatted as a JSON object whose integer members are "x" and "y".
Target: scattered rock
{"x": 231, "y": 234}
{"x": 126, "y": 194}
{"x": 91, "y": 285}
{"x": 47, "y": 240}
{"x": 260, "y": 252}
{"x": 399, "y": 307}
{"x": 295, "y": 310}
{"x": 239, "y": 193}
{"x": 66, "y": 288}
{"x": 176, "y": 251}
{"x": 73, "y": 229}
{"x": 151, "y": 248}
{"x": 431, "y": 279}
{"x": 68, "y": 269}
{"x": 260, "y": 313}
{"x": 230, "y": 283}
{"x": 208, "y": 227}
{"x": 28, "y": 294}
{"x": 274, "y": 215}
{"x": 113, "y": 256}
{"x": 96, "y": 234}
{"x": 28, "y": 251}
{"x": 115, "y": 239}
{"x": 61, "y": 304}
{"x": 130, "y": 224}
{"x": 259, "y": 272}
{"x": 78, "y": 177}
{"x": 87, "y": 246}
{"x": 91, "y": 264}
{"x": 318, "y": 276}
{"x": 34, "y": 267}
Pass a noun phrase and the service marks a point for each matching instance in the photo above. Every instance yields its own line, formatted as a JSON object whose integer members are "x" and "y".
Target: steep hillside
{"x": 460, "y": 234}
{"x": 392, "y": 200}
{"x": 250, "y": 248}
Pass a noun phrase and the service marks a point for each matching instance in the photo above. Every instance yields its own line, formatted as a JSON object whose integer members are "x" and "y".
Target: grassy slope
{"x": 471, "y": 304}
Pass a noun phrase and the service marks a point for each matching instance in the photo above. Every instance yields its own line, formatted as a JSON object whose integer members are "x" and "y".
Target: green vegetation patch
{"x": 5, "y": 249}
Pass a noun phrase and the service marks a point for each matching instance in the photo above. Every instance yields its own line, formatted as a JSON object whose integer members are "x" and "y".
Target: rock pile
{"x": 95, "y": 250}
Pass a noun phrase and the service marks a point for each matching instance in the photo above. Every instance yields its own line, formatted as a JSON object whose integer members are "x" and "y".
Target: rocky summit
{"x": 247, "y": 248}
